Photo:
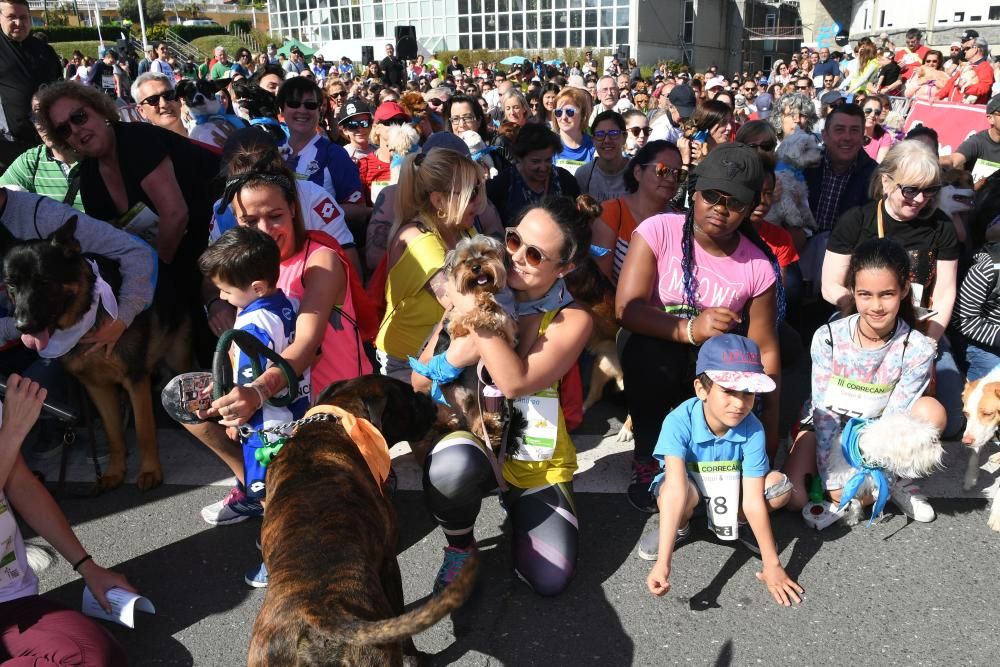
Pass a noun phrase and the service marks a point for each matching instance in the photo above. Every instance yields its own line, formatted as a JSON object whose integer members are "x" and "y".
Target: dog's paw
{"x": 110, "y": 479}
{"x": 995, "y": 458}
{"x": 994, "y": 521}
{"x": 625, "y": 433}
{"x": 149, "y": 479}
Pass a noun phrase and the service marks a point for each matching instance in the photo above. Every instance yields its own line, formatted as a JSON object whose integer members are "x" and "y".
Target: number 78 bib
{"x": 718, "y": 483}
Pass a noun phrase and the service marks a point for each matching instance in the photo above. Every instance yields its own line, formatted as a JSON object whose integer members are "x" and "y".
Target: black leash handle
{"x": 222, "y": 371}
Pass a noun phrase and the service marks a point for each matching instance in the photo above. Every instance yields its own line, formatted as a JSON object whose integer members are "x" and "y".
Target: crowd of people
{"x": 338, "y": 193}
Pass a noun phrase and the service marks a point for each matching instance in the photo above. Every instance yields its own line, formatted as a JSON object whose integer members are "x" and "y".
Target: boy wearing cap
{"x": 355, "y": 120}
{"x": 711, "y": 449}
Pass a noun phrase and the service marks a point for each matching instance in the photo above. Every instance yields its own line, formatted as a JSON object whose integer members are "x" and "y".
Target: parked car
{"x": 202, "y": 22}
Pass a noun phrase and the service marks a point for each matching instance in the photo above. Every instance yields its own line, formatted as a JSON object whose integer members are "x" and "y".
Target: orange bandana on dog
{"x": 369, "y": 440}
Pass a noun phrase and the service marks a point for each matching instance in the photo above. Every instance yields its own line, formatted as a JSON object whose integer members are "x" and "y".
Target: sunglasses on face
{"x": 766, "y": 146}
{"x": 398, "y": 120}
{"x": 357, "y": 124}
{"x": 154, "y": 100}
{"x": 871, "y": 110}
{"x": 342, "y": 93}
{"x": 77, "y": 118}
{"x": 435, "y": 102}
{"x": 715, "y": 198}
{"x": 911, "y": 191}
{"x": 802, "y": 87}
{"x": 532, "y": 255}
{"x": 569, "y": 111}
{"x": 601, "y": 135}
{"x": 636, "y": 131}
{"x": 666, "y": 171}
{"x": 311, "y": 105}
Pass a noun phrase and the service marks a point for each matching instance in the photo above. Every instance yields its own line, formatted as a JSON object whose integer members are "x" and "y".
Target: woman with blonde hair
{"x": 572, "y": 111}
{"x": 904, "y": 208}
{"x": 440, "y": 193}
{"x": 867, "y": 71}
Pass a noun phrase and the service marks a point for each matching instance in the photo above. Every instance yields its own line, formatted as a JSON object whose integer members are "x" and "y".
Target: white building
{"x": 941, "y": 20}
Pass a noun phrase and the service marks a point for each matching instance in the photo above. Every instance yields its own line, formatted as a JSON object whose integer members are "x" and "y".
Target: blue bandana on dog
{"x": 849, "y": 444}
{"x": 439, "y": 371}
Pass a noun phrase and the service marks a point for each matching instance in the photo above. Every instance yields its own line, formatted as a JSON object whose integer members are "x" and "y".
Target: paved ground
{"x": 896, "y": 593}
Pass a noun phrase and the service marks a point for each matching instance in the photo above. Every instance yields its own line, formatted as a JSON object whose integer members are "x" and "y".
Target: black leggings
{"x": 457, "y": 475}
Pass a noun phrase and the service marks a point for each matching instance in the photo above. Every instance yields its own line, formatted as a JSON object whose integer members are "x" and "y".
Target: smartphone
{"x": 701, "y": 136}
{"x": 923, "y": 314}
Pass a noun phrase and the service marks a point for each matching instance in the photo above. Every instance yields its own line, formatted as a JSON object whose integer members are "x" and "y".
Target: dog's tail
{"x": 902, "y": 444}
{"x": 398, "y": 628}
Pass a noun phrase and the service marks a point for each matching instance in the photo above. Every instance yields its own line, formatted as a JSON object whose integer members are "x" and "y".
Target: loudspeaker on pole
{"x": 406, "y": 42}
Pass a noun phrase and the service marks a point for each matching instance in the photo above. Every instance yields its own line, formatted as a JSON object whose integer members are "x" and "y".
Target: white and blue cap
{"x": 734, "y": 362}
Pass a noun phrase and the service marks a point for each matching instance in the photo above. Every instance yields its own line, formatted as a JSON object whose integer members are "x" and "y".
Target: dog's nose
{"x": 967, "y": 439}
{"x": 476, "y": 268}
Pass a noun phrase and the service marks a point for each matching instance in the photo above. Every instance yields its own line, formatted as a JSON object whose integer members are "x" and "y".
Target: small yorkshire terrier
{"x": 476, "y": 266}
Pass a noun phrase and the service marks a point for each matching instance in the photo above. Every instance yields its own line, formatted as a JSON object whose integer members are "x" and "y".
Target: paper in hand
{"x": 123, "y": 605}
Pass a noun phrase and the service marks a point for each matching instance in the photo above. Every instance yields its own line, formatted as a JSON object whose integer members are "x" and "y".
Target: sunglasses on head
{"x": 154, "y": 100}
{"x": 766, "y": 146}
{"x": 311, "y": 105}
{"x": 569, "y": 111}
{"x": 357, "y": 124}
{"x": 532, "y": 255}
{"x": 601, "y": 135}
{"x": 715, "y": 198}
{"x": 77, "y": 118}
{"x": 666, "y": 171}
{"x": 911, "y": 191}
{"x": 636, "y": 131}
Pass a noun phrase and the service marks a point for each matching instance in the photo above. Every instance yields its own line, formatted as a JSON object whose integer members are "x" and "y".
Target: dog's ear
{"x": 376, "y": 408}
{"x": 65, "y": 237}
{"x": 220, "y": 84}
{"x": 182, "y": 87}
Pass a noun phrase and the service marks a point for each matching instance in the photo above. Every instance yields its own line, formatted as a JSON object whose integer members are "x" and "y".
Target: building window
{"x": 959, "y": 17}
{"x": 688, "y": 21}
{"x": 881, "y": 19}
{"x": 994, "y": 13}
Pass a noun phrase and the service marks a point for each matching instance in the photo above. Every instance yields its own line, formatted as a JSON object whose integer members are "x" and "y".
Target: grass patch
{"x": 207, "y": 44}
{"x": 66, "y": 49}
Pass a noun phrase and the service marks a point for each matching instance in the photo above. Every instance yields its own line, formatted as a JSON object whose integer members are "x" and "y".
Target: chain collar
{"x": 287, "y": 429}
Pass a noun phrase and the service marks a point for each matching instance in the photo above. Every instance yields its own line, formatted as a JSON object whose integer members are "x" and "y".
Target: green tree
{"x": 153, "y": 10}
{"x": 192, "y": 8}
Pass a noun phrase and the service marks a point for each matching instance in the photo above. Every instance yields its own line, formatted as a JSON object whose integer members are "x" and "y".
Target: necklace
{"x": 876, "y": 339}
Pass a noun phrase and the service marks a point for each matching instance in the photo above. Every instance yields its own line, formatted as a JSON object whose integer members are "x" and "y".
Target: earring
{"x": 441, "y": 214}
{"x": 560, "y": 275}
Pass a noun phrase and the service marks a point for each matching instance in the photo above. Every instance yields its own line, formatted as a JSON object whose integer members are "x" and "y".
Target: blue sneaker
{"x": 234, "y": 508}
{"x": 256, "y": 576}
{"x": 454, "y": 559}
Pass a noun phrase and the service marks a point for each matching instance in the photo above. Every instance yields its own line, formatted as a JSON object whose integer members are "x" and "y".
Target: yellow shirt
{"x": 562, "y": 465}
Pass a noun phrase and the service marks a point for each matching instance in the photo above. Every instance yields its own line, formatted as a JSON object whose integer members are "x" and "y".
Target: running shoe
{"x": 638, "y": 492}
{"x": 649, "y": 544}
{"x": 234, "y": 508}
{"x": 907, "y": 497}
{"x": 256, "y": 576}
{"x": 454, "y": 559}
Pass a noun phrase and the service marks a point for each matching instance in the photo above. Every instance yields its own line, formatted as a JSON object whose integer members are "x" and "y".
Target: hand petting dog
{"x": 104, "y": 336}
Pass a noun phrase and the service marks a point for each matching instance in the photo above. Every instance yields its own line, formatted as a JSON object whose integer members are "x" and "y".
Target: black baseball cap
{"x": 355, "y": 106}
{"x": 967, "y": 35}
{"x": 993, "y": 106}
{"x": 682, "y": 97}
{"x": 733, "y": 168}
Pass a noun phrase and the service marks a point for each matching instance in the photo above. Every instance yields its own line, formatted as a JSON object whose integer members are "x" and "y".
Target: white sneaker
{"x": 907, "y": 497}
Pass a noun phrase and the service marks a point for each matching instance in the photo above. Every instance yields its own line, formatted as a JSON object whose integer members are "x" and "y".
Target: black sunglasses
{"x": 356, "y": 124}
{"x": 435, "y": 102}
{"x": 766, "y": 146}
{"x": 311, "y": 105}
{"x": 714, "y": 198}
{"x": 342, "y": 93}
{"x": 77, "y": 118}
{"x": 398, "y": 120}
{"x": 532, "y": 255}
{"x": 154, "y": 100}
{"x": 636, "y": 131}
{"x": 911, "y": 191}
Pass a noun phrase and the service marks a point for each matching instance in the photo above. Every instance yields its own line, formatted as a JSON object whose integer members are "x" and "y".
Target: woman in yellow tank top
{"x": 551, "y": 239}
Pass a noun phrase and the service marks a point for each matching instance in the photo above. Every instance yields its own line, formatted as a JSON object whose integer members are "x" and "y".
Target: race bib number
{"x": 107, "y": 82}
{"x": 983, "y": 169}
{"x": 11, "y": 570}
{"x": 570, "y": 165}
{"x": 719, "y": 485}
{"x": 141, "y": 221}
{"x": 377, "y": 187}
{"x": 852, "y": 398}
{"x": 541, "y": 412}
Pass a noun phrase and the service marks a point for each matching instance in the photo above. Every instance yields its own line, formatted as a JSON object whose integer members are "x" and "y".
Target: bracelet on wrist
{"x": 690, "y": 331}
{"x": 86, "y": 557}
{"x": 260, "y": 394}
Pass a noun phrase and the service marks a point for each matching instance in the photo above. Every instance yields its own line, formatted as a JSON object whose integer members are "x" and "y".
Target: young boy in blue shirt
{"x": 244, "y": 264}
{"x": 711, "y": 448}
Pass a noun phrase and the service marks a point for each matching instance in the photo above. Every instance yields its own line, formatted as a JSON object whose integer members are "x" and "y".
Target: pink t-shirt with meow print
{"x": 727, "y": 282}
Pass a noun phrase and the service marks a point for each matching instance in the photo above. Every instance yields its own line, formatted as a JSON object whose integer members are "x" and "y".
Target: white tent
{"x": 351, "y": 48}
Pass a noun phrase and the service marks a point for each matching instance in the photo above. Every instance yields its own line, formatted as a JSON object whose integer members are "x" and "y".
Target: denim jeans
{"x": 949, "y": 389}
{"x": 981, "y": 361}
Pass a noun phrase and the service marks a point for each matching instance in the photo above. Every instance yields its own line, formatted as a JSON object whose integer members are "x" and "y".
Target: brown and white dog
{"x": 981, "y": 404}
{"x": 329, "y": 539}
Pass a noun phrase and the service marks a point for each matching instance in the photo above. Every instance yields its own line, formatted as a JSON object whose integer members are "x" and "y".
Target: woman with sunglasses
{"x": 685, "y": 279}
{"x": 314, "y": 157}
{"x": 136, "y": 174}
{"x": 532, "y": 175}
{"x": 336, "y": 95}
{"x": 637, "y": 131}
{"x": 905, "y": 192}
{"x": 572, "y": 109}
{"x": 551, "y": 239}
{"x": 651, "y": 179}
{"x": 603, "y": 177}
{"x": 439, "y": 195}
{"x": 877, "y": 140}
{"x": 927, "y": 80}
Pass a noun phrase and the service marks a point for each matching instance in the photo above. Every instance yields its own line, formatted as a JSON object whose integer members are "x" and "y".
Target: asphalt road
{"x": 899, "y": 593}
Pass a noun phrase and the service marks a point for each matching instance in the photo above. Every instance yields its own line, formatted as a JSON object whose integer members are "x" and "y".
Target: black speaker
{"x": 623, "y": 53}
{"x": 406, "y": 42}
{"x": 367, "y": 55}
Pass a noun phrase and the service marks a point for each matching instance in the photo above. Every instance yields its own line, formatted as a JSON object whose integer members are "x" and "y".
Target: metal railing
{"x": 184, "y": 49}
{"x": 246, "y": 38}
{"x": 213, "y": 6}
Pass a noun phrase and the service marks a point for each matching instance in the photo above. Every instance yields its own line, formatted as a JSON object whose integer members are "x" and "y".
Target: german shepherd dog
{"x": 329, "y": 539}
{"x": 51, "y": 285}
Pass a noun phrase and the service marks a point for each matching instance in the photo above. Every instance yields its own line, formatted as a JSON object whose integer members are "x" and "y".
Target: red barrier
{"x": 953, "y": 122}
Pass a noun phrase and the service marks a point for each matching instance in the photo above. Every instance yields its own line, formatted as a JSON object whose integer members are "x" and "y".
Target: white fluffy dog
{"x": 981, "y": 404}
{"x": 403, "y": 140}
{"x": 797, "y": 151}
